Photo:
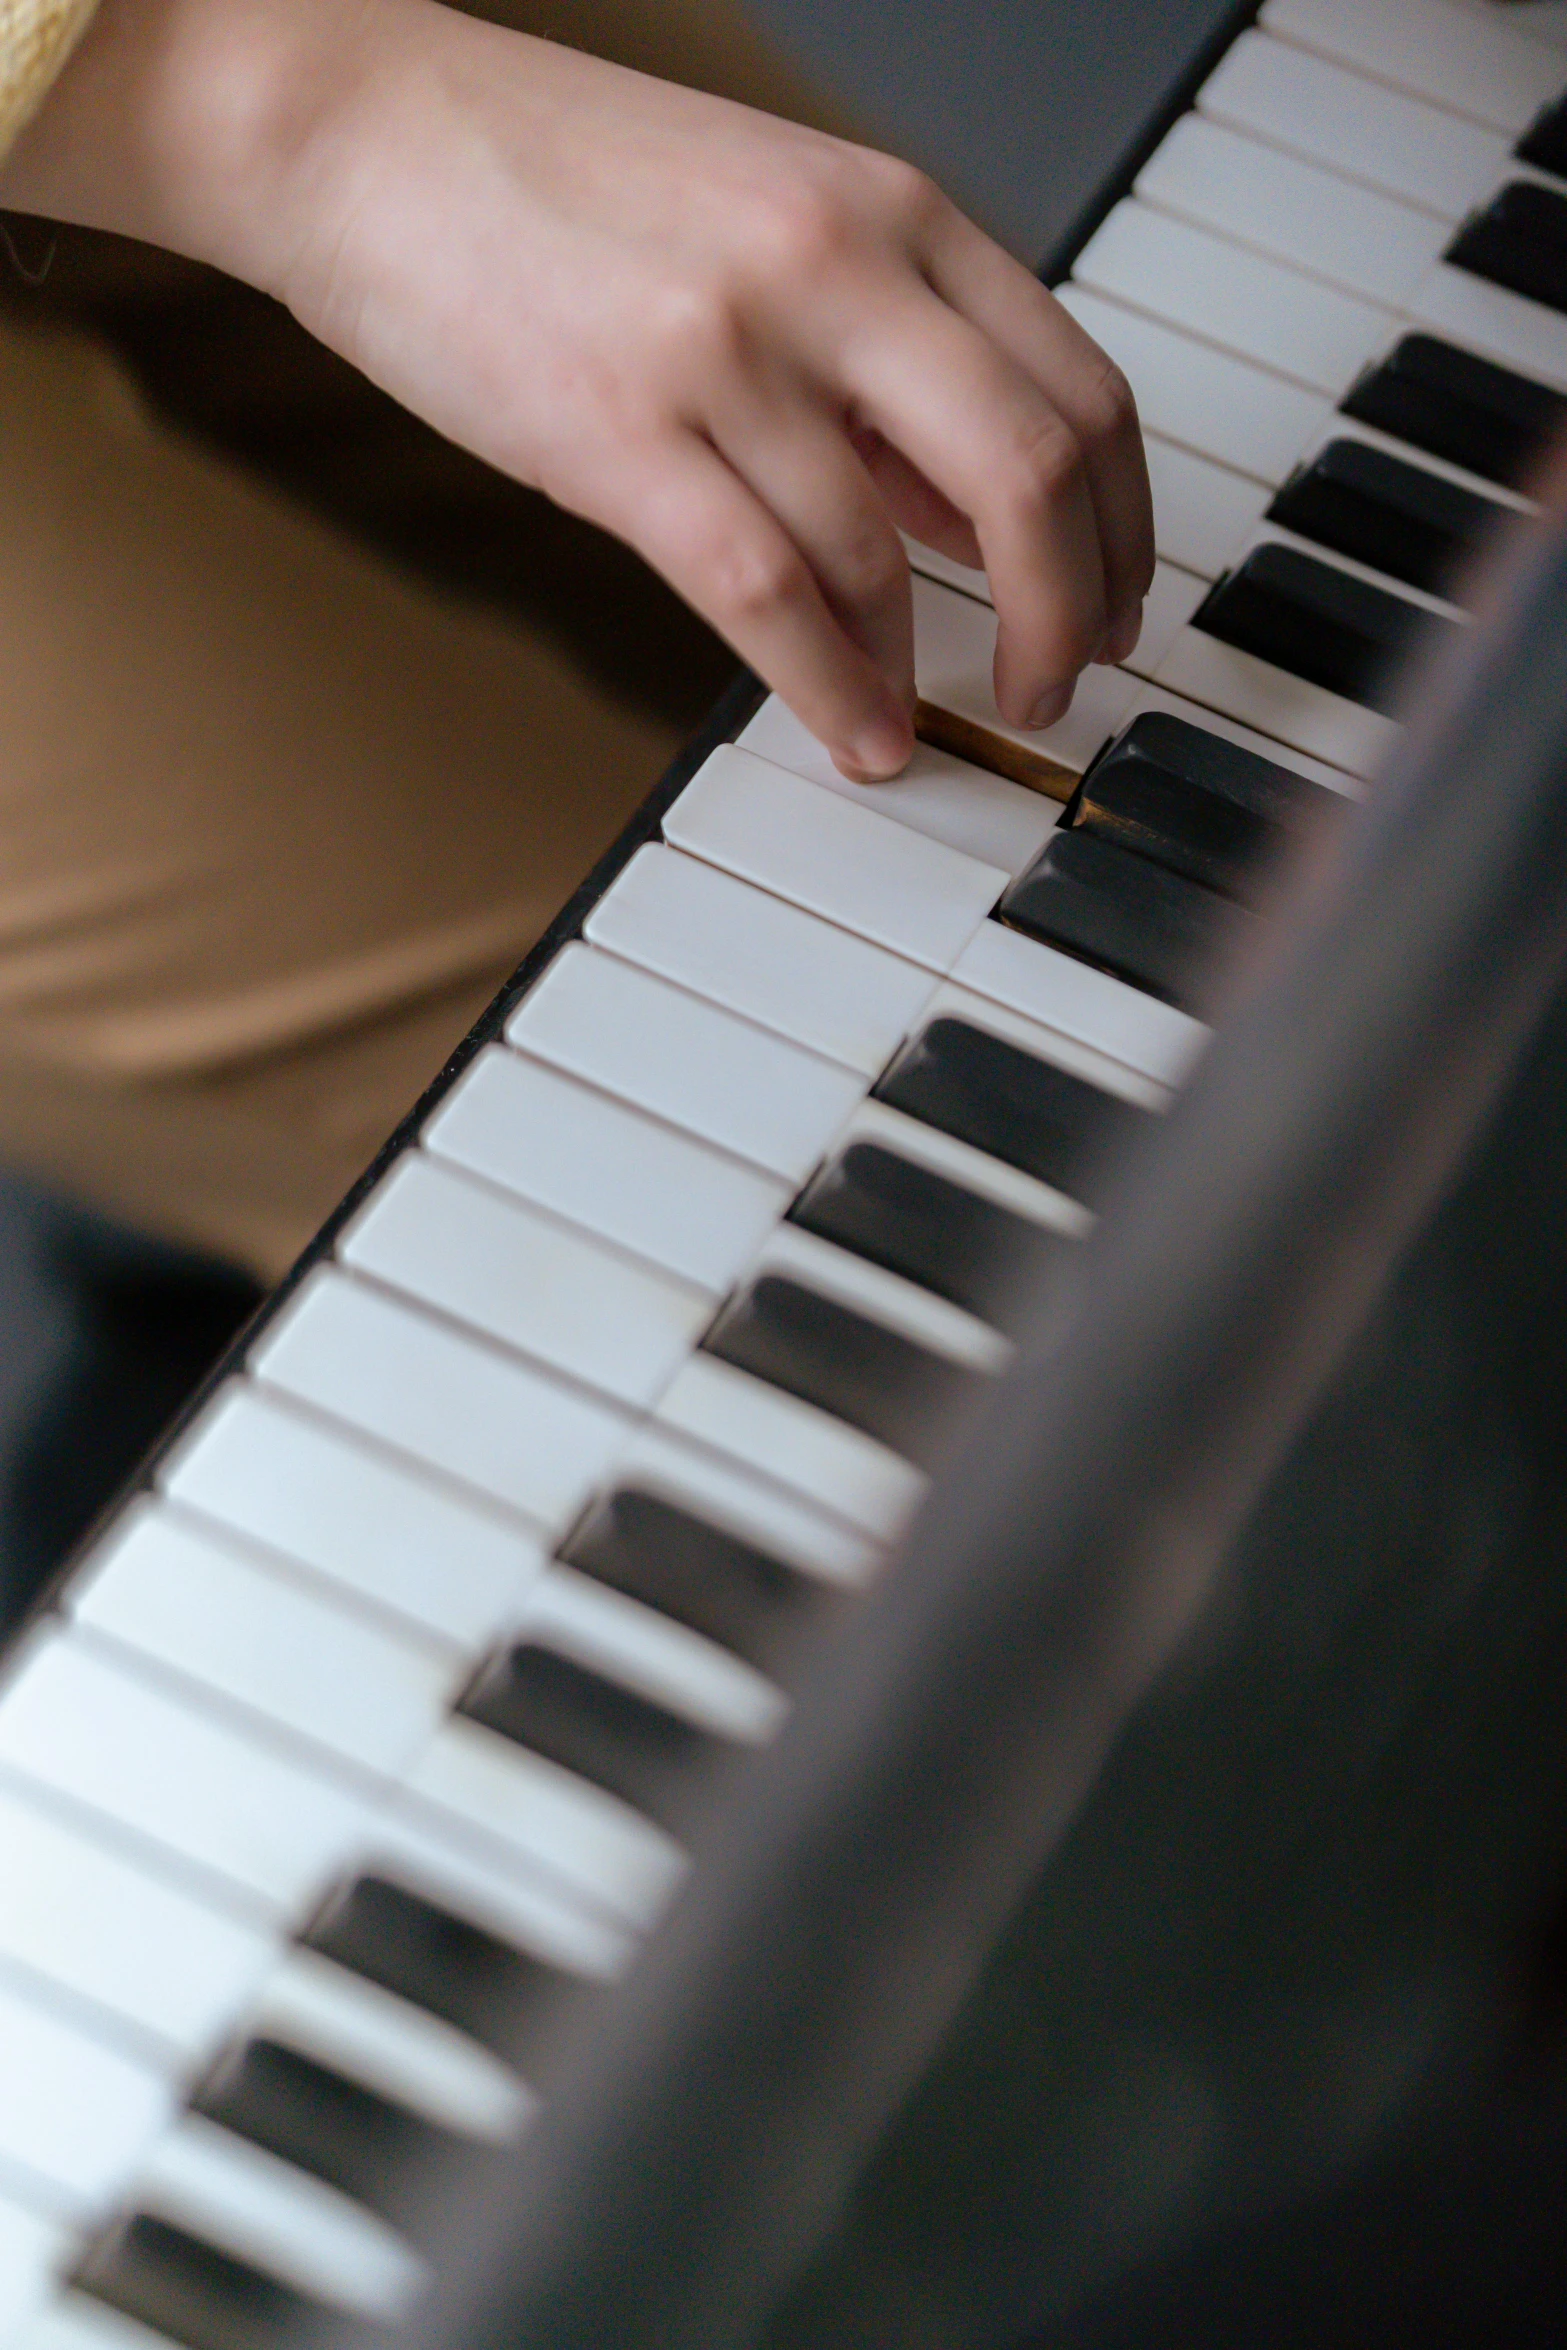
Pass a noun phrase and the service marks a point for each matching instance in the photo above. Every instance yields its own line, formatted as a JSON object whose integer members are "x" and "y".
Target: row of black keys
{"x": 1348, "y": 634}
{"x": 1163, "y": 790}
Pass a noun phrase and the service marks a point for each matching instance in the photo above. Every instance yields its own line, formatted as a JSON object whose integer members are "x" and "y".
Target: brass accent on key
{"x": 966, "y": 739}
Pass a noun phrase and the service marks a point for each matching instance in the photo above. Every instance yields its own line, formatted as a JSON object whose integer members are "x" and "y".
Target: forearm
{"x": 188, "y": 123}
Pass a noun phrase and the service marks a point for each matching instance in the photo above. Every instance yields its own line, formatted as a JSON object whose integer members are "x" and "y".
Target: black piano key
{"x": 1544, "y": 143}
{"x": 620, "y": 1741}
{"x": 1167, "y": 935}
{"x": 194, "y": 2294}
{"x": 1317, "y": 622}
{"x": 697, "y": 1573}
{"x": 874, "y": 1378}
{"x": 967, "y": 1249}
{"x": 1198, "y": 805}
{"x": 1395, "y": 517}
{"x": 441, "y": 1963}
{"x": 1453, "y": 405}
{"x": 1519, "y": 241}
{"x": 984, "y": 1091}
{"x": 291, "y": 2106}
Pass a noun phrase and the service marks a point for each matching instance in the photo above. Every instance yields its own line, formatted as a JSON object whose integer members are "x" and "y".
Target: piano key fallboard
{"x": 372, "y": 1732}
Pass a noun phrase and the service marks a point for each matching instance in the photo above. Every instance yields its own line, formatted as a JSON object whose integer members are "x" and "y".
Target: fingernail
{"x": 1051, "y": 705}
{"x": 882, "y": 748}
{"x": 1125, "y": 633}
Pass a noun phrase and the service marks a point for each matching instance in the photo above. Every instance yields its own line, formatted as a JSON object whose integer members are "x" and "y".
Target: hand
{"x": 752, "y": 351}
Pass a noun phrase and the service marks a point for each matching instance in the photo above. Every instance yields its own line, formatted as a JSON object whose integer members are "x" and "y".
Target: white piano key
{"x": 782, "y": 1438}
{"x": 263, "y": 1468}
{"x": 1221, "y": 407}
{"x": 1202, "y": 512}
{"x": 1476, "y": 65}
{"x": 263, "y": 2212}
{"x": 662, "y": 1049}
{"x": 457, "y": 1403}
{"x": 1127, "y": 1030}
{"x": 1273, "y": 702}
{"x": 847, "y": 864}
{"x": 528, "y": 1909}
{"x": 73, "y": 2115}
{"x": 782, "y": 1525}
{"x": 955, "y": 650}
{"x": 1521, "y": 334}
{"x": 80, "y": 1916}
{"x": 1542, "y": 20}
{"x": 974, "y": 1170}
{"x": 249, "y": 1634}
{"x": 1171, "y": 600}
{"x": 1337, "y": 779}
{"x": 1311, "y": 333}
{"x": 389, "y": 2046}
{"x": 870, "y": 1290}
{"x": 76, "y": 2322}
{"x": 33, "y": 2251}
{"x": 523, "y": 1278}
{"x": 938, "y": 794}
{"x": 606, "y": 1167}
{"x": 1295, "y": 212}
{"x": 173, "y": 1776}
{"x": 549, "y": 1817}
{"x": 666, "y": 1662}
{"x": 805, "y": 979}
{"x": 1364, "y": 129}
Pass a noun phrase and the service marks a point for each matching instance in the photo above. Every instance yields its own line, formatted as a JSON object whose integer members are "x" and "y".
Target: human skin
{"x": 753, "y": 351}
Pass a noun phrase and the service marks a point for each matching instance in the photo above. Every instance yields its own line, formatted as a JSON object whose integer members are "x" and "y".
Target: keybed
{"x": 384, "y": 1717}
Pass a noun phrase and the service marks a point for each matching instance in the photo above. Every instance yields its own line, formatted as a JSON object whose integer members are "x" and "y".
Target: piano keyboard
{"x": 370, "y": 1738}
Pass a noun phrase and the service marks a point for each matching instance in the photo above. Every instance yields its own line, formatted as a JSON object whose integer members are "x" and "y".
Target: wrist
{"x": 192, "y": 124}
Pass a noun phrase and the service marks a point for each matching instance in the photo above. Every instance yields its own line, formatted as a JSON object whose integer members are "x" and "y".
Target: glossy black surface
{"x": 700, "y": 1574}
{"x": 194, "y": 2295}
{"x": 1006, "y": 1101}
{"x": 394, "y": 1938}
{"x": 310, "y": 2116}
{"x": 1197, "y": 804}
{"x": 1519, "y": 241}
{"x": 622, "y": 1742}
{"x": 1165, "y": 934}
{"x": 873, "y": 1377}
{"x": 1453, "y": 405}
{"x": 1544, "y": 143}
{"x": 1317, "y": 622}
{"x": 933, "y": 1231}
{"x": 1397, "y": 518}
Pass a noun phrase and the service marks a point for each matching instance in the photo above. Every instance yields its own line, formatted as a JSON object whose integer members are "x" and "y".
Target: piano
{"x": 347, "y": 1772}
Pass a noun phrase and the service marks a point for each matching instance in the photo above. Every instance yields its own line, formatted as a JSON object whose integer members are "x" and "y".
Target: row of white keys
{"x": 1312, "y": 219}
{"x": 1207, "y": 400}
{"x": 1472, "y": 64}
{"x": 691, "y": 1209}
{"x": 1366, "y": 130}
{"x": 851, "y": 999}
{"x": 790, "y": 836}
{"x": 360, "y": 1520}
{"x": 1308, "y": 219}
{"x": 1309, "y": 332}
{"x": 34, "y": 2252}
{"x": 531, "y": 1282}
{"x": 175, "y": 1969}
{"x": 164, "y": 1590}
{"x": 453, "y": 1401}
{"x": 690, "y": 1062}
{"x": 939, "y": 795}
